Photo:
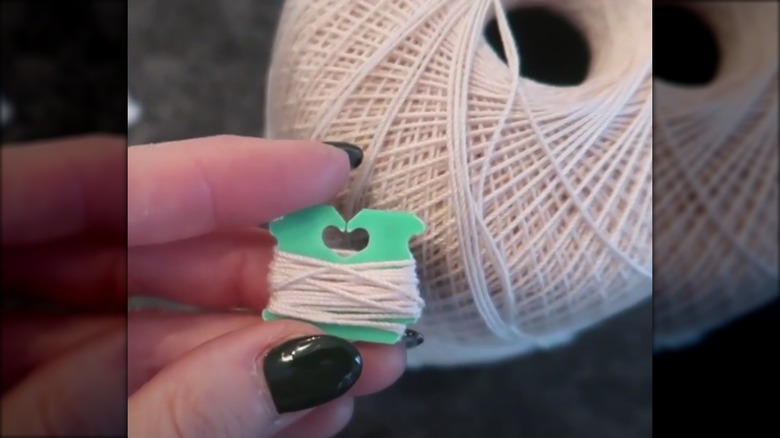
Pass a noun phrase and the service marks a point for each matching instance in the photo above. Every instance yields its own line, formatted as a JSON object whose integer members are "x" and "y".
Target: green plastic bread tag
{"x": 389, "y": 233}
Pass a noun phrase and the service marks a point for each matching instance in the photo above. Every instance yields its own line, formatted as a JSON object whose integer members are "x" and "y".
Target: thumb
{"x": 252, "y": 382}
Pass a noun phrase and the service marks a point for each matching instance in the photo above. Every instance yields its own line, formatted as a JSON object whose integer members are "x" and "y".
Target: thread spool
{"x": 717, "y": 177}
{"x": 537, "y": 197}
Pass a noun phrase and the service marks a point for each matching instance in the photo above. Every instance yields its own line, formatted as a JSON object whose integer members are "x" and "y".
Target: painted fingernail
{"x": 412, "y": 339}
{"x": 354, "y": 152}
{"x": 307, "y": 372}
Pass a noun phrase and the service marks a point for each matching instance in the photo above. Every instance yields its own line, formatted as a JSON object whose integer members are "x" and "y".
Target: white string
{"x": 360, "y": 294}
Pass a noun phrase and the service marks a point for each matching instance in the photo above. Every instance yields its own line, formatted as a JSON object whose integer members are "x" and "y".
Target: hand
{"x": 193, "y": 213}
{"x": 190, "y": 224}
{"x": 64, "y": 288}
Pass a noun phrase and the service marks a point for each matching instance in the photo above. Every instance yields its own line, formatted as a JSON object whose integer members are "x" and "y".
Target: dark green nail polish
{"x": 354, "y": 152}
{"x": 307, "y": 372}
{"x": 412, "y": 339}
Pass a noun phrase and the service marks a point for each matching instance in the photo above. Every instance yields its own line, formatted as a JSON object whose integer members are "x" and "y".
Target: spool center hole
{"x": 552, "y": 49}
{"x": 685, "y": 49}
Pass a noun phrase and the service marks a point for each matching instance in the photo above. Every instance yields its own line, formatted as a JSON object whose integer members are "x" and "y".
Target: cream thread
{"x": 360, "y": 294}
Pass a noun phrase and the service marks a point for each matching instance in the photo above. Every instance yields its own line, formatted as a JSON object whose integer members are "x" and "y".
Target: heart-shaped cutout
{"x": 304, "y": 233}
{"x": 345, "y": 242}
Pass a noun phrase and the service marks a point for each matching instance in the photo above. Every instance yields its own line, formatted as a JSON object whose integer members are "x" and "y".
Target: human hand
{"x": 193, "y": 213}
{"x": 64, "y": 246}
{"x": 190, "y": 223}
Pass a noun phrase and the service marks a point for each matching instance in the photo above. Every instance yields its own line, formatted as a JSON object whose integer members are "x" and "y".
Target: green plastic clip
{"x": 389, "y": 233}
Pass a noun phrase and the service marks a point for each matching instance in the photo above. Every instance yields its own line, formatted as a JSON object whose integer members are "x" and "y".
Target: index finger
{"x": 188, "y": 188}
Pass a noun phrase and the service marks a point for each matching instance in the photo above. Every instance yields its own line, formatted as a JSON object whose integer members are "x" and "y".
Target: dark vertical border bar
{"x": 64, "y": 73}
{"x": 724, "y": 383}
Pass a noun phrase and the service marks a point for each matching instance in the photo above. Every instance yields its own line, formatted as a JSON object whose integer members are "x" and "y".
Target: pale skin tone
{"x": 189, "y": 233}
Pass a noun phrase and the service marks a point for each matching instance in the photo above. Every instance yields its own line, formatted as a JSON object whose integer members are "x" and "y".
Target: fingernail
{"x": 412, "y": 339}
{"x": 307, "y": 372}
{"x": 354, "y": 152}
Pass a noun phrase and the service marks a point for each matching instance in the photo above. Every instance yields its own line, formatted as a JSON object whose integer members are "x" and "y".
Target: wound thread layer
{"x": 362, "y": 294}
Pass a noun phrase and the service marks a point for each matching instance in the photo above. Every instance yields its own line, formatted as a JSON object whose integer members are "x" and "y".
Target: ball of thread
{"x": 716, "y": 146}
{"x": 537, "y": 198}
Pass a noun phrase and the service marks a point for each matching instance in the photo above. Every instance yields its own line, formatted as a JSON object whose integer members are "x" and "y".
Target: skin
{"x": 188, "y": 233}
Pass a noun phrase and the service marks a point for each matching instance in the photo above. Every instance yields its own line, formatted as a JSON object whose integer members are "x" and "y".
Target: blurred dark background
{"x": 199, "y": 68}
{"x": 64, "y": 68}
{"x": 722, "y": 384}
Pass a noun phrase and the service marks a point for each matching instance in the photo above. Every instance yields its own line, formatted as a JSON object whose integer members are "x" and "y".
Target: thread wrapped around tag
{"x": 368, "y": 295}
